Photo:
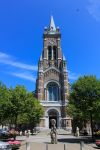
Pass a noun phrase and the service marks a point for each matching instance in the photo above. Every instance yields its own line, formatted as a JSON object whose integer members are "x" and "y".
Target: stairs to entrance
{"x": 44, "y": 132}
{"x": 63, "y": 132}
{"x": 59, "y": 131}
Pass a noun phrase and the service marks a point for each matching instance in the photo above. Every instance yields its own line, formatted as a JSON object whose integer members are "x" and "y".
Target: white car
{"x": 5, "y": 146}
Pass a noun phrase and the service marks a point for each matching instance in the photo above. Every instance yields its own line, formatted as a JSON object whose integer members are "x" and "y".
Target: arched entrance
{"x": 53, "y": 114}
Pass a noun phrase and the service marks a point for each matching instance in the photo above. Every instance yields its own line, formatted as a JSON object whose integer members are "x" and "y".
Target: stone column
{"x": 45, "y": 93}
{"x": 52, "y": 53}
{"x": 46, "y": 121}
{"x": 59, "y": 126}
{"x": 47, "y": 54}
{"x": 59, "y": 94}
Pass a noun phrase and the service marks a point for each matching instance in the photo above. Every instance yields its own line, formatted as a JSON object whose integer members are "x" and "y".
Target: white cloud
{"x": 27, "y": 75}
{"x": 94, "y": 9}
{"x": 23, "y": 71}
{"x": 24, "y": 75}
{"x": 9, "y": 60}
{"x": 73, "y": 76}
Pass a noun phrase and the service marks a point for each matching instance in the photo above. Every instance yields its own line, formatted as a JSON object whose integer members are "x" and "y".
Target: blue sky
{"x": 21, "y": 27}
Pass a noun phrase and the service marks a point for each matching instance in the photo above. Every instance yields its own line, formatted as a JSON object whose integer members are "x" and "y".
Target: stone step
{"x": 44, "y": 132}
{"x": 63, "y": 132}
{"x": 59, "y": 131}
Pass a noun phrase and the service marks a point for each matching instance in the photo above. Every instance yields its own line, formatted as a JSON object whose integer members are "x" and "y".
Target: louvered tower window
{"x": 49, "y": 52}
{"x": 54, "y": 52}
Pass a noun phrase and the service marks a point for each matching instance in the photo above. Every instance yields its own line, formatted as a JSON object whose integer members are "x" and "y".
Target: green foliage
{"x": 85, "y": 98}
{"x": 98, "y": 132}
{"x": 18, "y": 106}
{"x": 4, "y": 103}
{"x": 18, "y": 97}
{"x": 32, "y": 111}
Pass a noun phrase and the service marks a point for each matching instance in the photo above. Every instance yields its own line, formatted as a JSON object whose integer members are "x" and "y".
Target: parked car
{"x": 4, "y": 134}
{"x": 3, "y": 131}
{"x": 5, "y": 146}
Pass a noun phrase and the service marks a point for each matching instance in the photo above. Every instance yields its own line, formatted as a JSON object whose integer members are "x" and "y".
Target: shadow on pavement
{"x": 76, "y": 140}
{"x": 96, "y": 147}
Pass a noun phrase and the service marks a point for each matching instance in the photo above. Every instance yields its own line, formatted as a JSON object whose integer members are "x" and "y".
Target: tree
{"x": 33, "y": 111}
{"x": 4, "y": 104}
{"x": 18, "y": 106}
{"x": 85, "y": 99}
{"x": 25, "y": 109}
{"x": 17, "y": 99}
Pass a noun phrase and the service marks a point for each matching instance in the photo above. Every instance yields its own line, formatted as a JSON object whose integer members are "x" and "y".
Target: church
{"x": 52, "y": 85}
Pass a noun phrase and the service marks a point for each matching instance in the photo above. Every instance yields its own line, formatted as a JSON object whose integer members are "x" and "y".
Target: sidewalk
{"x": 38, "y": 142}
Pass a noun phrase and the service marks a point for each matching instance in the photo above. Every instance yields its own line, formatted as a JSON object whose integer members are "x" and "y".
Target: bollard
{"x": 27, "y": 146}
{"x": 64, "y": 147}
{"x": 82, "y": 145}
{"x": 46, "y": 146}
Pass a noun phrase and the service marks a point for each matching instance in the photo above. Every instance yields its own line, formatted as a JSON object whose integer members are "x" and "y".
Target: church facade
{"x": 52, "y": 86}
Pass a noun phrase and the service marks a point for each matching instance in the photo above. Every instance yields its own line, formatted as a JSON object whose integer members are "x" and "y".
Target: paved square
{"x": 38, "y": 142}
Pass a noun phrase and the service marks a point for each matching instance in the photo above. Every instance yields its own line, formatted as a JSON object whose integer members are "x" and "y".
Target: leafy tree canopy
{"x": 85, "y": 98}
{"x": 18, "y": 106}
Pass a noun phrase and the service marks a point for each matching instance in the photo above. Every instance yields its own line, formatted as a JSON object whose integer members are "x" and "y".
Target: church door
{"x": 52, "y": 115}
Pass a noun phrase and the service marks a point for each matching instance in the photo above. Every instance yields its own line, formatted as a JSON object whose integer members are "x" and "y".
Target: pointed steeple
{"x": 64, "y": 59}
{"x": 41, "y": 58}
{"x": 52, "y": 26}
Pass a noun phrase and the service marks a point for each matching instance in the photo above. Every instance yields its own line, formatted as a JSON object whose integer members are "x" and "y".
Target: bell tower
{"x": 52, "y": 44}
{"x": 52, "y": 87}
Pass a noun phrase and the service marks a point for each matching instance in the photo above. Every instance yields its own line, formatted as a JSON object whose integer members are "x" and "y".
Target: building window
{"x": 53, "y": 92}
{"x": 54, "y": 52}
{"x": 49, "y": 52}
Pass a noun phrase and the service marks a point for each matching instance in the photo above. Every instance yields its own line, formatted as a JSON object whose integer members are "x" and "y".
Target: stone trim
{"x": 55, "y": 81}
{"x": 51, "y": 68}
{"x": 53, "y": 108}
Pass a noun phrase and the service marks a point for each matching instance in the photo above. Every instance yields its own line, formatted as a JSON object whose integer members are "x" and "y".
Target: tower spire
{"x": 52, "y": 24}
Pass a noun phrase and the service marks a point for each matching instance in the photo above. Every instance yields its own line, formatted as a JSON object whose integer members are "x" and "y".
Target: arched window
{"x": 53, "y": 92}
{"x": 54, "y": 52}
{"x": 49, "y": 52}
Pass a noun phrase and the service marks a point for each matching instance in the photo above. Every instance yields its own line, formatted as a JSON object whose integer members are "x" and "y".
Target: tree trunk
{"x": 15, "y": 123}
{"x": 91, "y": 120}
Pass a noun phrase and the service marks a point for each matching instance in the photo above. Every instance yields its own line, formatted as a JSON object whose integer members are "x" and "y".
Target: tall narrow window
{"x": 53, "y": 92}
{"x": 54, "y": 52}
{"x": 49, "y": 53}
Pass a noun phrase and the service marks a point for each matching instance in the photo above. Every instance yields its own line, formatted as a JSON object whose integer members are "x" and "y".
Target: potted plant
{"x": 14, "y": 144}
{"x": 97, "y": 143}
{"x": 13, "y": 133}
{"x": 97, "y": 134}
